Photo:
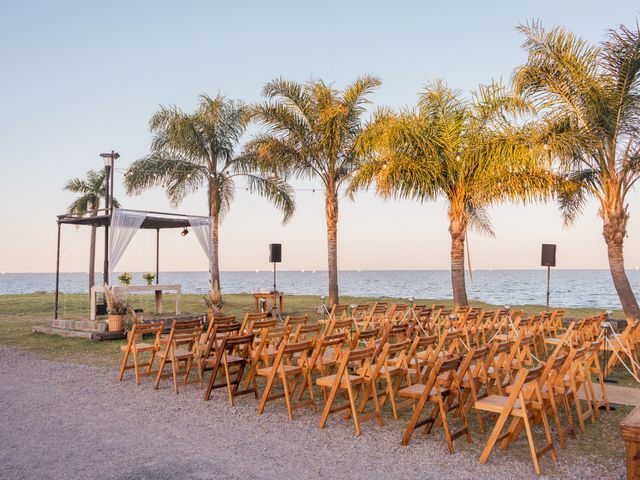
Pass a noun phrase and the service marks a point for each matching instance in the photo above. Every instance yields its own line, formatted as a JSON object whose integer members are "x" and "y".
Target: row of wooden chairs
{"x": 456, "y": 362}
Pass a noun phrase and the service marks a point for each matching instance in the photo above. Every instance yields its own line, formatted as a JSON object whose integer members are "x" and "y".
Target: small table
{"x": 157, "y": 289}
{"x": 276, "y": 297}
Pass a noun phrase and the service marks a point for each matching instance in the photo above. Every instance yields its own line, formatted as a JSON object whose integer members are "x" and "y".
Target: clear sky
{"x": 78, "y": 78}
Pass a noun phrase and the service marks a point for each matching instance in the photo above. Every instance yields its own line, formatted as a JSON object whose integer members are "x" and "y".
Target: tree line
{"x": 566, "y": 127}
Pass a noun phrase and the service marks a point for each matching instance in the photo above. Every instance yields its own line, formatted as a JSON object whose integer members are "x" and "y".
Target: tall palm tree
{"x": 470, "y": 152}
{"x": 91, "y": 190}
{"x": 312, "y": 130}
{"x": 589, "y": 100}
{"x": 190, "y": 150}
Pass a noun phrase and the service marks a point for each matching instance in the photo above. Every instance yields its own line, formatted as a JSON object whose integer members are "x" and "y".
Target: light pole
{"x": 109, "y": 159}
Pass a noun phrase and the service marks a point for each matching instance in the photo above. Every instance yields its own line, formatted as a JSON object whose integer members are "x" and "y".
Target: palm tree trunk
{"x": 214, "y": 213}
{"x": 457, "y": 230}
{"x": 614, "y": 231}
{"x": 331, "y": 211}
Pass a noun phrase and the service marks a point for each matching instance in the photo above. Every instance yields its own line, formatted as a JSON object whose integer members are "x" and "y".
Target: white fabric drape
{"x": 202, "y": 228}
{"x": 124, "y": 225}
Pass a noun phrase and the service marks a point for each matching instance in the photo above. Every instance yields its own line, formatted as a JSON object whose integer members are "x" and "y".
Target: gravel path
{"x": 71, "y": 421}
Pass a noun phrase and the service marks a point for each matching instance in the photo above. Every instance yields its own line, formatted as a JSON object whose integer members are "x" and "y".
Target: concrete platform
{"x": 97, "y": 330}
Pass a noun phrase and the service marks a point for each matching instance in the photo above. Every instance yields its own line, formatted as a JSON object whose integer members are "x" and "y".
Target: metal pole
{"x": 105, "y": 270}
{"x": 113, "y": 157}
{"x": 548, "y": 285}
{"x": 157, "y": 256}
{"x": 55, "y": 314}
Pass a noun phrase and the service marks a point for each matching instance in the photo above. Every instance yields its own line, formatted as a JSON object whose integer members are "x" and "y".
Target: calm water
{"x": 569, "y": 288}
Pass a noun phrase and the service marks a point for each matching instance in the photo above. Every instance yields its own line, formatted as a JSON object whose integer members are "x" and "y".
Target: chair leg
{"x": 532, "y": 446}
{"x": 174, "y": 370}
{"x": 352, "y": 402}
{"x": 267, "y": 391}
{"x": 135, "y": 366}
{"x": 123, "y": 365}
{"x": 163, "y": 361}
{"x": 287, "y": 400}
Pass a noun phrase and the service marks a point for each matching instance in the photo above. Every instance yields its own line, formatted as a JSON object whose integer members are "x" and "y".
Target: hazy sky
{"x": 80, "y": 78}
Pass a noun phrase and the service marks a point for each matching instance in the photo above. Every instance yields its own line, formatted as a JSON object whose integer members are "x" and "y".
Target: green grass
{"x": 20, "y": 313}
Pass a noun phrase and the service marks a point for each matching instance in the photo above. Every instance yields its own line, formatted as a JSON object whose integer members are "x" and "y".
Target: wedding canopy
{"x": 121, "y": 226}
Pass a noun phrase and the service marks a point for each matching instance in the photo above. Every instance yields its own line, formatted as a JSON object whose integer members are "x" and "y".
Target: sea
{"x": 569, "y": 288}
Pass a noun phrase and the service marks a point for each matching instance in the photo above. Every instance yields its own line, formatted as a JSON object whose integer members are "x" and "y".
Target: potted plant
{"x": 213, "y": 301}
{"x": 116, "y": 309}
{"x": 125, "y": 278}
{"x": 149, "y": 277}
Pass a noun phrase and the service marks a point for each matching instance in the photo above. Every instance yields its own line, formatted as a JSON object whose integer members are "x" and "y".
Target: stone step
{"x": 81, "y": 325}
{"x": 63, "y": 332}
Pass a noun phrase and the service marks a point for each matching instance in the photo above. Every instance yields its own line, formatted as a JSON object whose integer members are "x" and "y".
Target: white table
{"x": 119, "y": 290}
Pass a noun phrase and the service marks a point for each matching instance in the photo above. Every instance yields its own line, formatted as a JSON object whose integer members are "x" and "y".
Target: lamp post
{"x": 109, "y": 159}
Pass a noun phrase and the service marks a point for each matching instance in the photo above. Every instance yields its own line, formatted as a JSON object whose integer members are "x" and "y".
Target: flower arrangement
{"x": 125, "y": 278}
{"x": 149, "y": 277}
{"x": 115, "y": 304}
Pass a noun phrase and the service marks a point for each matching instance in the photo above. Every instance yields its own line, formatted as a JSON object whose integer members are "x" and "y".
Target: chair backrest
{"x": 307, "y": 333}
{"x": 340, "y": 326}
{"x": 250, "y": 318}
{"x": 338, "y": 312}
{"x": 140, "y": 329}
{"x": 367, "y": 337}
{"x": 223, "y": 319}
{"x": 259, "y": 325}
{"x": 397, "y": 312}
{"x": 240, "y": 345}
{"x": 360, "y": 312}
{"x": 295, "y": 320}
{"x": 185, "y": 333}
{"x": 220, "y": 329}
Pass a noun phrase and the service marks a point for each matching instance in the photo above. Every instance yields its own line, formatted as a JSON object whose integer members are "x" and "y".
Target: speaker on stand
{"x": 275, "y": 256}
{"x": 548, "y": 260}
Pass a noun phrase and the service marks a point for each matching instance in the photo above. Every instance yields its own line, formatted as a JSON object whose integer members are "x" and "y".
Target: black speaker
{"x": 548, "y": 255}
{"x": 275, "y": 252}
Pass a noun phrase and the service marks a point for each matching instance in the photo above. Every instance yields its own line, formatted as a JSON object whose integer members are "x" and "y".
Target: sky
{"x": 79, "y": 78}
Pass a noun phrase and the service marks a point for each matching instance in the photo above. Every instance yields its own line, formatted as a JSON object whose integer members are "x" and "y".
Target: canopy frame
{"x": 153, "y": 221}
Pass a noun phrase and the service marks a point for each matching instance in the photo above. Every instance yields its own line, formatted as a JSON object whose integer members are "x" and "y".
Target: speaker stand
{"x": 548, "y": 285}
{"x": 275, "y": 311}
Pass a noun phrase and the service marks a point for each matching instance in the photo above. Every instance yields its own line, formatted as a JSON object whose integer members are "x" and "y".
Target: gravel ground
{"x": 72, "y": 421}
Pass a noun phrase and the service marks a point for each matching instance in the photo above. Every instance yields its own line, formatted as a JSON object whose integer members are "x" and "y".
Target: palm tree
{"x": 588, "y": 98}
{"x": 312, "y": 132}
{"x": 470, "y": 152}
{"x": 91, "y": 190}
{"x": 192, "y": 150}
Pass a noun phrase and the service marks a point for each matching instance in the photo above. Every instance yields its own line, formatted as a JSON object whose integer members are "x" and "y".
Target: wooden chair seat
{"x": 288, "y": 369}
{"x": 416, "y": 390}
{"x": 140, "y": 347}
{"x": 496, "y": 404}
{"x": 328, "y": 380}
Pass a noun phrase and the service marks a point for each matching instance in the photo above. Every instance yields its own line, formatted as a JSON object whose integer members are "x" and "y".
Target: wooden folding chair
{"x": 392, "y": 367}
{"x": 325, "y": 357}
{"x": 135, "y": 346}
{"x": 524, "y": 403}
{"x": 353, "y": 384}
{"x": 205, "y": 357}
{"x": 441, "y": 389}
{"x": 180, "y": 346}
{"x": 234, "y": 356}
{"x": 421, "y": 356}
{"x": 359, "y": 314}
{"x": 291, "y": 363}
{"x": 592, "y": 366}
